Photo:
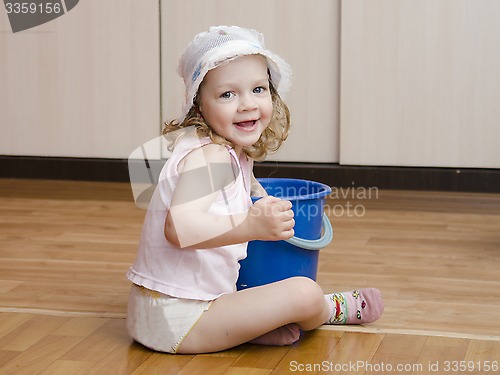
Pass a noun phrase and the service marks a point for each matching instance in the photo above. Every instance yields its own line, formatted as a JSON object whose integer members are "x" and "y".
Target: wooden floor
{"x": 65, "y": 247}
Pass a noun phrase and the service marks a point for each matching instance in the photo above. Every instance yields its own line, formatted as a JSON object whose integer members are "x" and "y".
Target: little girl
{"x": 201, "y": 217}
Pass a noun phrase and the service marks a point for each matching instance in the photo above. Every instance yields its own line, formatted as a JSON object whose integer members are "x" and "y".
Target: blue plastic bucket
{"x": 270, "y": 261}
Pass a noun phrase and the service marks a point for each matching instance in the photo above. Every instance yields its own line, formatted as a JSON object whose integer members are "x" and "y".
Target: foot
{"x": 282, "y": 336}
{"x": 355, "y": 307}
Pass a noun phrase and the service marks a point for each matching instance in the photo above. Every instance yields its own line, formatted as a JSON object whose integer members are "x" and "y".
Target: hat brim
{"x": 280, "y": 70}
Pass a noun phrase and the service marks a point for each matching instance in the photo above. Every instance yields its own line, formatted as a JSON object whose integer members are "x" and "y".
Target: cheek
{"x": 216, "y": 115}
{"x": 268, "y": 110}
{"x": 207, "y": 109}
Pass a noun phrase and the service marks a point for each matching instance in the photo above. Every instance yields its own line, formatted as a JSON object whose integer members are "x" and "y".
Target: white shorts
{"x": 159, "y": 321}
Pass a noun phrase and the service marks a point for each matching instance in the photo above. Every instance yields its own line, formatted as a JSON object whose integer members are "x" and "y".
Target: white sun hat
{"x": 221, "y": 44}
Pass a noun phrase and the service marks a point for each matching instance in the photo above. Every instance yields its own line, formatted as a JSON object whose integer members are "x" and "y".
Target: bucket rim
{"x": 325, "y": 189}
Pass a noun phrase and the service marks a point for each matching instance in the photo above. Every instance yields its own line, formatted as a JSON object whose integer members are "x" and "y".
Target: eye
{"x": 227, "y": 95}
{"x": 259, "y": 89}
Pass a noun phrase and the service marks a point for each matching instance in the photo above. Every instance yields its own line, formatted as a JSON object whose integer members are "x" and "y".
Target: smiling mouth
{"x": 246, "y": 125}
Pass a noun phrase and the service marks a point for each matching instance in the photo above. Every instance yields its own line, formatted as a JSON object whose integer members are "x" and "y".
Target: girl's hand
{"x": 271, "y": 219}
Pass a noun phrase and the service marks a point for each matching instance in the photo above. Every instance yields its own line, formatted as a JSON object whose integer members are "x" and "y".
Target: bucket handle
{"x": 315, "y": 244}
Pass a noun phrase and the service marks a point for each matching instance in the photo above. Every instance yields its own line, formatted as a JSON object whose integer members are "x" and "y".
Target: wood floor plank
{"x": 122, "y": 359}
{"x": 395, "y": 353}
{"x": 312, "y": 348}
{"x": 65, "y": 247}
{"x": 163, "y": 364}
{"x": 101, "y": 343}
{"x": 247, "y": 371}
{"x": 7, "y": 356}
{"x": 207, "y": 365}
{"x": 30, "y": 332}
{"x": 482, "y": 357}
{"x": 39, "y": 355}
{"x": 353, "y": 347}
{"x": 10, "y": 321}
{"x": 261, "y": 357}
{"x": 437, "y": 351}
{"x": 72, "y": 295}
{"x": 80, "y": 326}
{"x": 61, "y": 367}
{"x": 8, "y": 285}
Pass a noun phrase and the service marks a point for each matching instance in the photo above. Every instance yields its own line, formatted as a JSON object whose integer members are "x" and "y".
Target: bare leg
{"x": 281, "y": 336}
{"x": 236, "y": 318}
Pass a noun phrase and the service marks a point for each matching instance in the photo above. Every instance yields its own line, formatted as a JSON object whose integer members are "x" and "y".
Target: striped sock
{"x": 355, "y": 307}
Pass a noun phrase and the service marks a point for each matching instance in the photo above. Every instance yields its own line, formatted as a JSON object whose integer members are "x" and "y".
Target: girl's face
{"x": 235, "y": 100}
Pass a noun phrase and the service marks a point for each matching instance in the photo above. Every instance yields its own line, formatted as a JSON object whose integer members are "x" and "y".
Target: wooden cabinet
{"x": 303, "y": 32}
{"x": 84, "y": 85}
{"x": 420, "y": 83}
{"x": 88, "y": 83}
{"x": 386, "y": 82}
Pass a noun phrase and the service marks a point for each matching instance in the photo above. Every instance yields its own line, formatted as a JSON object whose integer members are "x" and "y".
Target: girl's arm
{"x": 203, "y": 173}
{"x": 257, "y": 189}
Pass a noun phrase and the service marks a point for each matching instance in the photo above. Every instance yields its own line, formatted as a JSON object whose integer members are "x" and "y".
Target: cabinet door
{"x": 86, "y": 84}
{"x": 305, "y": 33}
{"x": 420, "y": 83}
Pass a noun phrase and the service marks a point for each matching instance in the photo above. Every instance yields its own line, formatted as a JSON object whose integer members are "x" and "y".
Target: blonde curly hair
{"x": 270, "y": 140}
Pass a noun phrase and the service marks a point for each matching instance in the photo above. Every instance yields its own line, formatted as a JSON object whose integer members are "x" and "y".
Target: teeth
{"x": 246, "y": 124}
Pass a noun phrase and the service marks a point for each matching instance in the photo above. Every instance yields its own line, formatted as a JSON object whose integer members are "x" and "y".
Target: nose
{"x": 247, "y": 103}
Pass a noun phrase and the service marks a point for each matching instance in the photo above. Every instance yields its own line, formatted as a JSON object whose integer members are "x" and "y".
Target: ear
{"x": 198, "y": 110}
{"x": 197, "y": 106}
{"x": 197, "y": 101}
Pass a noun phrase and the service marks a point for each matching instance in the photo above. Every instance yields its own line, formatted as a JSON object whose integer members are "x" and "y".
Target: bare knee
{"x": 308, "y": 297}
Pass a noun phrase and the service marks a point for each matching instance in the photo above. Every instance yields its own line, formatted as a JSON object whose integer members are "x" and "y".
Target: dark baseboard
{"x": 401, "y": 178}
{"x": 61, "y": 168}
{"x": 404, "y": 178}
